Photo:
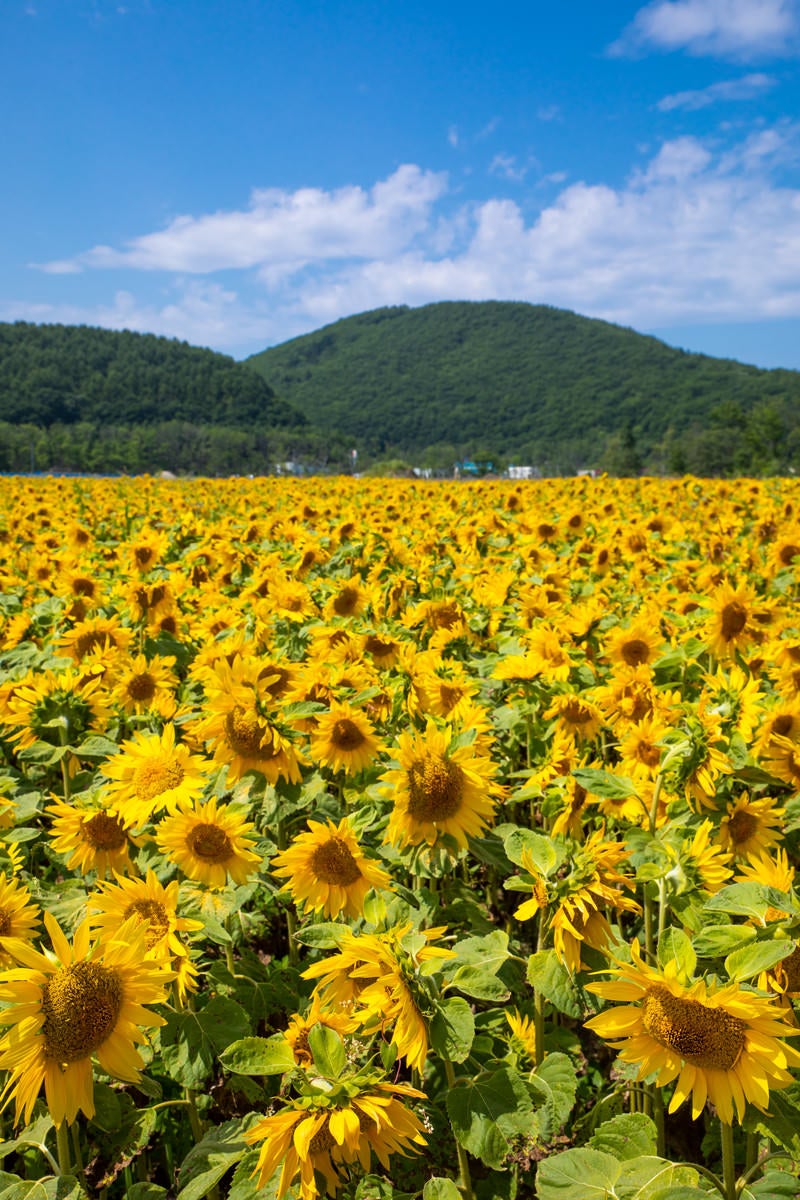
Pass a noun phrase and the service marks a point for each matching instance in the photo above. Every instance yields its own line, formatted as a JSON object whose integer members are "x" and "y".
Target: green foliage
{"x": 535, "y": 384}
{"x": 63, "y": 375}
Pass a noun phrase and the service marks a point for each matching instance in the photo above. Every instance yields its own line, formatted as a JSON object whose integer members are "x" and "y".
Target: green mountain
{"x": 533, "y": 384}
{"x": 64, "y": 374}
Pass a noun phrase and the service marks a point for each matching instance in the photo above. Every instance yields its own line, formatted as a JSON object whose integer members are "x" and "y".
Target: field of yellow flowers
{"x": 397, "y": 839}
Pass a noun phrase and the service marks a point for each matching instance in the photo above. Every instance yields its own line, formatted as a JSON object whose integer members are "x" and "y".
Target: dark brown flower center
{"x": 142, "y": 687}
{"x": 333, "y": 863}
{"x": 346, "y": 602}
{"x": 734, "y": 619}
{"x": 705, "y": 1037}
{"x": 742, "y": 826}
{"x": 346, "y": 735}
{"x": 80, "y": 1004}
{"x": 635, "y": 652}
{"x": 435, "y": 788}
{"x": 104, "y": 832}
{"x": 155, "y": 915}
{"x": 209, "y": 843}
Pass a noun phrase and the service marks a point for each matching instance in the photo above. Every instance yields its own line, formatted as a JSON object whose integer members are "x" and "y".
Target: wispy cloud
{"x": 748, "y": 87}
{"x": 283, "y": 227}
{"x": 508, "y": 167}
{"x": 452, "y": 136}
{"x": 698, "y": 233}
{"x": 742, "y": 29}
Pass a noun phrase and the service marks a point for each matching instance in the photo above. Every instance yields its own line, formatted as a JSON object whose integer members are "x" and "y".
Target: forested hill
{"x": 520, "y": 380}
{"x": 65, "y": 374}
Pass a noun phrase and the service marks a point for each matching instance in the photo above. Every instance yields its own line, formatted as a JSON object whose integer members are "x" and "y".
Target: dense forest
{"x": 65, "y": 374}
{"x": 524, "y": 383}
{"x": 494, "y": 382}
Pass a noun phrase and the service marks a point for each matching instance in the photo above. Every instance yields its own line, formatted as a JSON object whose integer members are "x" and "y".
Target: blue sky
{"x": 236, "y": 173}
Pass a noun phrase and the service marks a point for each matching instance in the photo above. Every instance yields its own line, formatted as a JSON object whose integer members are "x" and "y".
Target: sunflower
{"x": 731, "y": 623}
{"x": 98, "y": 635}
{"x": 19, "y": 916}
{"x": 379, "y": 975}
{"x": 708, "y": 862}
{"x": 151, "y": 905}
{"x": 523, "y": 1033}
{"x": 635, "y": 645}
{"x": 724, "y": 1044}
{"x": 242, "y": 725}
{"x": 752, "y": 826}
{"x": 782, "y": 758}
{"x": 299, "y": 1027}
{"x": 44, "y": 707}
{"x": 153, "y": 772}
{"x": 68, "y": 1006}
{"x": 576, "y": 715}
{"x": 327, "y": 872}
{"x": 314, "y": 1136}
{"x": 94, "y": 835}
{"x": 209, "y": 842}
{"x": 344, "y": 739}
{"x": 439, "y": 790}
{"x": 145, "y": 686}
{"x": 146, "y": 549}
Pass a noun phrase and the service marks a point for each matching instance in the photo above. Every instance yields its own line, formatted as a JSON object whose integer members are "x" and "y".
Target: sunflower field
{"x": 386, "y": 839}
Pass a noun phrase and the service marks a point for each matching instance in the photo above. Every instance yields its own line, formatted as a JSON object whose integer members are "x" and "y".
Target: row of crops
{"x": 388, "y": 839}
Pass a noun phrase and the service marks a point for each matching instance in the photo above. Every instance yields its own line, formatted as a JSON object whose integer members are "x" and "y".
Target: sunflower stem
{"x": 751, "y": 1151}
{"x": 62, "y": 1144}
{"x": 463, "y": 1161}
{"x": 76, "y": 1145}
{"x": 657, "y": 1101}
{"x": 728, "y": 1161}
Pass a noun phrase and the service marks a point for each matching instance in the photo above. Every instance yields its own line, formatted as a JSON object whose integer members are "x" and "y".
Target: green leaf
{"x": 186, "y": 1052}
{"x": 452, "y": 1030}
{"x": 58, "y": 1187}
{"x": 327, "y": 1049}
{"x": 675, "y": 946}
{"x": 258, "y": 1056}
{"x": 550, "y": 977}
{"x": 759, "y": 956}
{"x": 721, "y": 939}
{"x": 646, "y": 1177}
{"x": 439, "y": 1188}
{"x": 97, "y": 746}
{"x": 34, "y": 1134}
{"x": 207, "y": 1162}
{"x": 487, "y": 1110}
{"x": 107, "y": 1108}
{"x": 582, "y": 1174}
{"x": 627, "y": 1136}
{"x": 222, "y": 1021}
{"x": 604, "y": 784}
{"x": 374, "y": 1187}
{"x": 518, "y": 842}
{"x": 553, "y": 1084}
{"x": 782, "y": 1123}
{"x": 773, "y": 1185}
{"x": 244, "y": 1184}
{"x": 146, "y": 1191}
{"x": 749, "y": 900}
{"x": 326, "y": 935}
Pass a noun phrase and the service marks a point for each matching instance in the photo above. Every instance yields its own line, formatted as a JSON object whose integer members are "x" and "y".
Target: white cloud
{"x": 727, "y": 28}
{"x": 548, "y": 112}
{"x": 749, "y": 87}
{"x": 697, "y": 233}
{"x": 452, "y": 136}
{"x": 507, "y": 167}
{"x": 283, "y": 227}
